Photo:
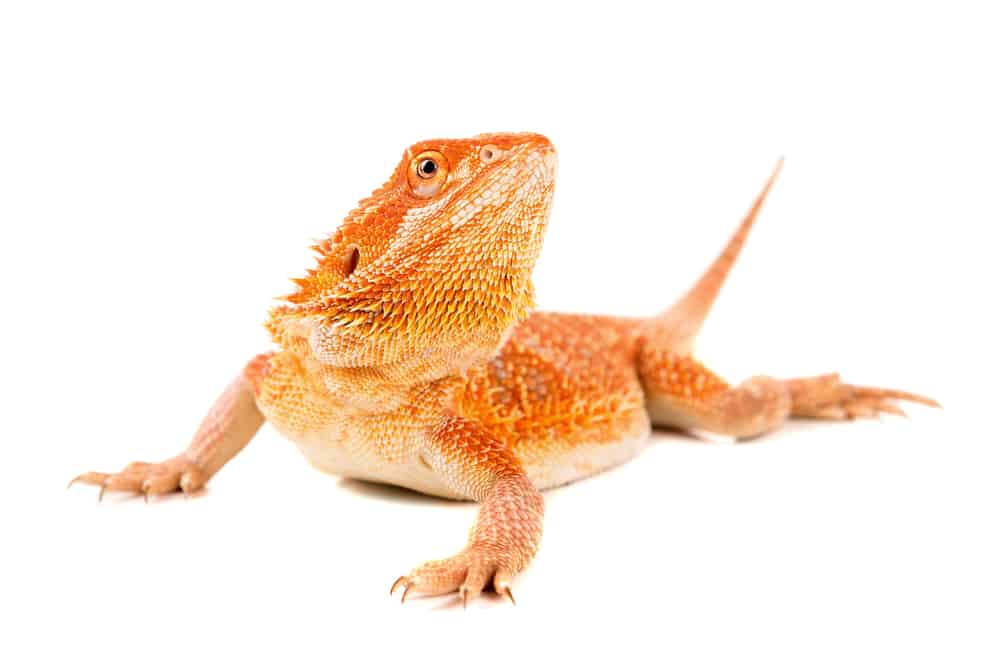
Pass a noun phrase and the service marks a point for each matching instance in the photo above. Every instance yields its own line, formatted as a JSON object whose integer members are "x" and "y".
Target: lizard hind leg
{"x": 682, "y": 393}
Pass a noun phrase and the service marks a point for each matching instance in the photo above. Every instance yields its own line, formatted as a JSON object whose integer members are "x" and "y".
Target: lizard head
{"x": 435, "y": 266}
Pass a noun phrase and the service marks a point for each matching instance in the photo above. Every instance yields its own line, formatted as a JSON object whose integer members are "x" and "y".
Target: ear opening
{"x": 353, "y": 257}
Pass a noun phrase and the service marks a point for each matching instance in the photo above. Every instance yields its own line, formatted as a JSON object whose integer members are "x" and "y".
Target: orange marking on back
{"x": 560, "y": 381}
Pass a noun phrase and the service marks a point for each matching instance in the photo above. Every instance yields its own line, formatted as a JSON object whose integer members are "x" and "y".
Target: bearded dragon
{"x": 409, "y": 355}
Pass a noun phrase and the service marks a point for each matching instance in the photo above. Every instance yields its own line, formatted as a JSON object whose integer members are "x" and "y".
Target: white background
{"x": 164, "y": 168}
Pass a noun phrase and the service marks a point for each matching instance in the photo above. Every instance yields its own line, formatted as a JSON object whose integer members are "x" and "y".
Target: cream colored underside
{"x": 356, "y": 459}
{"x": 564, "y": 465}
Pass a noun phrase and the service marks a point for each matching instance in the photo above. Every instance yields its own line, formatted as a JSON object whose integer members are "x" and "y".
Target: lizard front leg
{"x": 231, "y": 423}
{"x": 507, "y": 531}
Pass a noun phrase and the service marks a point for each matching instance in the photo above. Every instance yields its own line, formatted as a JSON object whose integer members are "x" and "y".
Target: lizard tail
{"x": 681, "y": 322}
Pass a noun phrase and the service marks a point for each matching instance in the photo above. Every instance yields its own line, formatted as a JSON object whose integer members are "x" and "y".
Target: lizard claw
{"x": 505, "y": 590}
{"x": 890, "y": 408}
{"x": 95, "y": 478}
{"x": 401, "y": 581}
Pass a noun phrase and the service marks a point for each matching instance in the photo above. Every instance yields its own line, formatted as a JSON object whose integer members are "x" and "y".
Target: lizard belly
{"x": 357, "y": 458}
{"x": 555, "y": 463}
{"x": 557, "y": 448}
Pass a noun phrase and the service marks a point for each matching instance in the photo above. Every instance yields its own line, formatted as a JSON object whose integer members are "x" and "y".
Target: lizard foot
{"x": 827, "y": 397}
{"x": 468, "y": 573}
{"x": 149, "y": 479}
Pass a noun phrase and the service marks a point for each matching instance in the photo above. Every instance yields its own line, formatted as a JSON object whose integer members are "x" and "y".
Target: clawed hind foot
{"x": 827, "y": 397}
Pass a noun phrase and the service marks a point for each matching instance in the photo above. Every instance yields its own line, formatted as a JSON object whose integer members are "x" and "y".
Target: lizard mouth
{"x": 549, "y": 163}
{"x": 541, "y": 159}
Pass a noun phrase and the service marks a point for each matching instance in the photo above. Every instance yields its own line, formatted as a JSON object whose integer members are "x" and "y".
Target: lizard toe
{"x": 158, "y": 484}
{"x": 478, "y": 575}
{"x": 147, "y": 479}
{"x": 827, "y": 397}
{"x": 501, "y": 583}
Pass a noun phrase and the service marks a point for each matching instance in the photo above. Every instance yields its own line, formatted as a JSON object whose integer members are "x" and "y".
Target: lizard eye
{"x": 427, "y": 174}
{"x": 426, "y": 168}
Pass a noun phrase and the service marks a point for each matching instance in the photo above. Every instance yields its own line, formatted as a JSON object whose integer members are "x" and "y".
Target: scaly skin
{"x": 409, "y": 355}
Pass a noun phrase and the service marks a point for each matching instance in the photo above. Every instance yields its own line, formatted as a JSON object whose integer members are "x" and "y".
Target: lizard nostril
{"x": 352, "y": 259}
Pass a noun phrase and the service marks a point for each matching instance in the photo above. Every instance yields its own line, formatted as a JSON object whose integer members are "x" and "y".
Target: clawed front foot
{"x": 827, "y": 397}
{"x": 150, "y": 479}
{"x": 468, "y": 573}
{"x": 507, "y": 531}
{"x": 225, "y": 430}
